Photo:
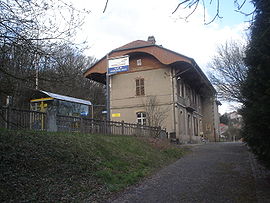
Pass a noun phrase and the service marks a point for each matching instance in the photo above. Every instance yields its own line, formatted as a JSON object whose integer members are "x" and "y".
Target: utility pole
{"x": 114, "y": 65}
{"x": 108, "y": 91}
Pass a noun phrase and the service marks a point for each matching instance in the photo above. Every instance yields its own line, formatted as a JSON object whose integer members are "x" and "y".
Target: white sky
{"x": 125, "y": 21}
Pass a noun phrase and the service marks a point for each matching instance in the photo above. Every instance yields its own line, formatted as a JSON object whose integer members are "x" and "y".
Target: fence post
{"x": 122, "y": 127}
{"x": 50, "y": 121}
{"x": 138, "y": 129}
{"x": 7, "y": 117}
{"x": 105, "y": 126}
{"x": 92, "y": 126}
{"x": 81, "y": 125}
{"x": 158, "y": 132}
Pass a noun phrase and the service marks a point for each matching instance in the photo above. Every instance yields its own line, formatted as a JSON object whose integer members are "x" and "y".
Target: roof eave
{"x": 192, "y": 61}
{"x": 201, "y": 73}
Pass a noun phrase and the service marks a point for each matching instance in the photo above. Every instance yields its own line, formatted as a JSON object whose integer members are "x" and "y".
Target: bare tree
{"x": 37, "y": 20}
{"x": 35, "y": 27}
{"x": 61, "y": 72}
{"x": 64, "y": 75}
{"x": 192, "y": 5}
{"x": 29, "y": 31}
{"x": 228, "y": 71}
{"x": 155, "y": 114}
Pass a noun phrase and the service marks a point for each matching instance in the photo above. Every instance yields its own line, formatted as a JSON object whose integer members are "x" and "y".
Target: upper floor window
{"x": 194, "y": 95}
{"x": 180, "y": 87}
{"x": 188, "y": 92}
{"x": 139, "y": 62}
{"x": 141, "y": 118}
{"x": 182, "y": 93}
{"x": 139, "y": 86}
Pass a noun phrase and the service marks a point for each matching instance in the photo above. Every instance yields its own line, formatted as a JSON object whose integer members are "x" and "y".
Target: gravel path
{"x": 214, "y": 172}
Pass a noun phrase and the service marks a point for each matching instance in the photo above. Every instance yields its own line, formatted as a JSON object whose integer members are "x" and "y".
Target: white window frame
{"x": 141, "y": 118}
{"x": 139, "y": 62}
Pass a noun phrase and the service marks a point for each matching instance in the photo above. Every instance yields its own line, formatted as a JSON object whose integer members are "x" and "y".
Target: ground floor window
{"x": 189, "y": 124}
{"x": 141, "y": 118}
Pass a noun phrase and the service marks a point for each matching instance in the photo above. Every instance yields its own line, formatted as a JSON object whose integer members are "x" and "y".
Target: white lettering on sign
{"x": 119, "y": 64}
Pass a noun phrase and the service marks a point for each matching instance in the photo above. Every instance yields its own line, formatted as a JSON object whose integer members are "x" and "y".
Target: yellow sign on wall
{"x": 114, "y": 115}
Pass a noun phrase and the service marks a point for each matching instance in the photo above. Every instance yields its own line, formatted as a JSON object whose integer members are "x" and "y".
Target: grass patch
{"x": 40, "y": 166}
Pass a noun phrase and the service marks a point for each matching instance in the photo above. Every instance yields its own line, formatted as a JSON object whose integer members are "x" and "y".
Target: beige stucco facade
{"x": 183, "y": 93}
{"x": 125, "y": 102}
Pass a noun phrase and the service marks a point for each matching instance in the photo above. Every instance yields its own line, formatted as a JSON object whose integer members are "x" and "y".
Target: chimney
{"x": 151, "y": 39}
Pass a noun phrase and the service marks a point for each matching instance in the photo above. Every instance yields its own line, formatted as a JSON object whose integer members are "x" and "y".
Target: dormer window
{"x": 139, "y": 62}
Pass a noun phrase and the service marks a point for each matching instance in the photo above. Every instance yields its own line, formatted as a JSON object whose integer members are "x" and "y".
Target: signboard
{"x": 114, "y": 115}
{"x": 118, "y": 64}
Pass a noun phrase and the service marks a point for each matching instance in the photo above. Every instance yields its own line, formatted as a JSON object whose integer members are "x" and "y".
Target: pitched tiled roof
{"x": 165, "y": 56}
{"x": 134, "y": 44}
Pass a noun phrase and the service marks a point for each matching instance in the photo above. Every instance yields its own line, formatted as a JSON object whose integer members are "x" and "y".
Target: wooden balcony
{"x": 190, "y": 106}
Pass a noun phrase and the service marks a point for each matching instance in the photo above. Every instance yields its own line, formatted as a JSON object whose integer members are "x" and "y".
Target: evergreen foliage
{"x": 256, "y": 89}
{"x": 224, "y": 119}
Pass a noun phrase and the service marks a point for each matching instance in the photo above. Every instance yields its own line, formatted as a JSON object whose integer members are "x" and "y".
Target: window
{"x": 179, "y": 86}
{"x": 189, "y": 124}
{"x": 182, "y": 92}
{"x": 141, "y": 118}
{"x": 188, "y": 92}
{"x": 193, "y": 96}
{"x": 139, "y": 87}
{"x": 195, "y": 125}
{"x": 181, "y": 89}
{"x": 139, "y": 62}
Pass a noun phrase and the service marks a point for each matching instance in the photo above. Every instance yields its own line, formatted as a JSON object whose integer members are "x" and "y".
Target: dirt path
{"x": 218, "y": 172}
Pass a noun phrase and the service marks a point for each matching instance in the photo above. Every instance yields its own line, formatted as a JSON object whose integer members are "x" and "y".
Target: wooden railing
{"x": 16, "y": 119}
{"x": 187, "y": 103}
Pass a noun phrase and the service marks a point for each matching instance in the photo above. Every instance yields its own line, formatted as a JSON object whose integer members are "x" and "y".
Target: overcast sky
{"x": 125, "y": 21}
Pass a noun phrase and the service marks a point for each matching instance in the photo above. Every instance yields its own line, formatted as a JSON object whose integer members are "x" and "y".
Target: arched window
{"x": 141, "y": 118}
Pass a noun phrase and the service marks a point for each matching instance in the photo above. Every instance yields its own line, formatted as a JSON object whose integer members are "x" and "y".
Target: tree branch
{"x": 105, "y": 6}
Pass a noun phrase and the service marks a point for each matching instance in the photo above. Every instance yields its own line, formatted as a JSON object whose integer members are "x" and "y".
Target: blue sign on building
{"x": 119, "y": 64}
